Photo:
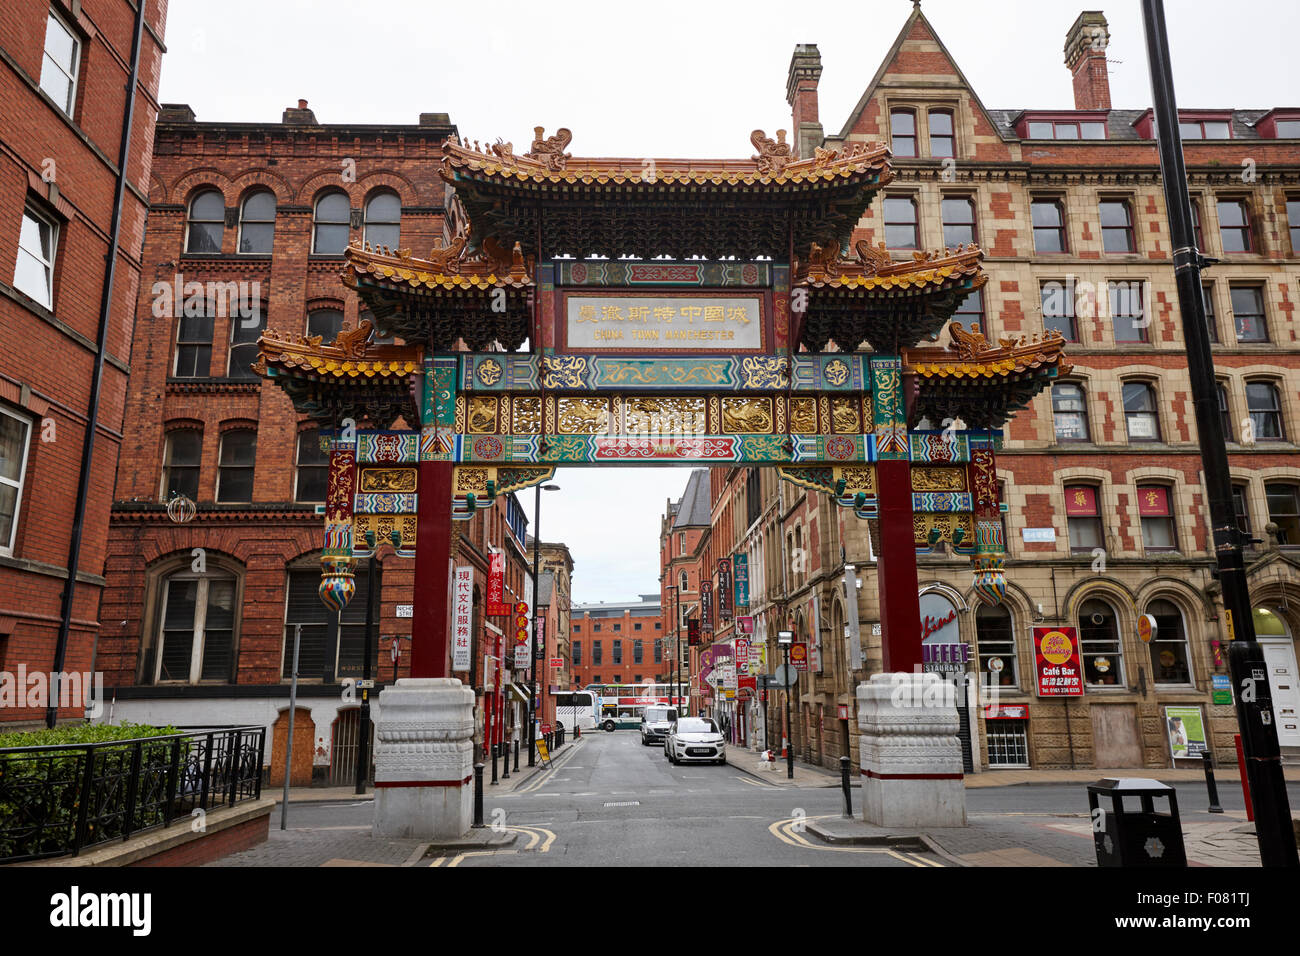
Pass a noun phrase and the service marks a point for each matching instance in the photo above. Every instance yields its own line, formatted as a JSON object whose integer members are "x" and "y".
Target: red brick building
{"x": 75, "y": 155}
{"x": 618, "y": 643}
{"x": 247, "y": 225}
{"x": 683, "y": 535}
{"x": 1104, "y": 504}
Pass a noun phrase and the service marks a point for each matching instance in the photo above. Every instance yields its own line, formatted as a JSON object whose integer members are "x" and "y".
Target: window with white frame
{"x": 181, "y": 464}
{"x": 1170, "y": 660}
{"x": 330, "y": 229}
{"x": 312, "y": 467}
{"x": 37, "y": 244}
{"x": 996, "y": 636}
{"x": 15, "y": 437}
{"x": 1100, "y": 644}
{"x": 257, "y": 223}
{"x": 197, "y": 628}
{"x": 193, "y": 346}
{"x": 59, "y": 65}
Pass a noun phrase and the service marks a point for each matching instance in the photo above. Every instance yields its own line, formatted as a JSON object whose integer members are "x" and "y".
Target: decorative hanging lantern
{"x": 181, "y": 509}
{"x": 337, "y": 585}
{"x": 990, "y": 579}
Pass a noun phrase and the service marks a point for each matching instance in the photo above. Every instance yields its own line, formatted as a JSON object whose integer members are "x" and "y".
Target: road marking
{"x": 623, "y": 803}
{"x": 543, "y": 778}
{"x": 456, "y": 861}
{"x": 756, "y": 783}
{"x": 439, "y": 861}
{"x": 784, "y": 831}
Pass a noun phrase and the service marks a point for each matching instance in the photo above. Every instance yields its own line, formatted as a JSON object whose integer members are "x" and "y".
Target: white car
{"x": 695, "y": 738}
{"x": 655, "y": 724}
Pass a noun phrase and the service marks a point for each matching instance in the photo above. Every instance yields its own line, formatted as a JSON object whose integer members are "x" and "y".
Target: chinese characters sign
{"x": 660, "y": 323}
{"x": 523, "y": 647}
{"x": 724, "y": 589}
{"x": 706, "y": 605}
{"x": 693, "y": 632}
{"x": 463, "y": 610}
{"x": 1056, "y": 662}
{"x": 496, "y": 605}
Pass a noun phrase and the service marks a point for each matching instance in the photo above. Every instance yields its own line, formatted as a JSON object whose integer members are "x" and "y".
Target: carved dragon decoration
{"x": 549, "y": 151}
{"x": 773, "y": 154}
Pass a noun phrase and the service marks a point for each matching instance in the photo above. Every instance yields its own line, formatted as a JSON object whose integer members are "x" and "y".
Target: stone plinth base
{"x": 909, "y": 752}
{"x": 424, "y": 759}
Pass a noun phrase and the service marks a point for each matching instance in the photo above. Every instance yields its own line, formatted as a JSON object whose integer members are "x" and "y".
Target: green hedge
{"x": 83, "y": 734}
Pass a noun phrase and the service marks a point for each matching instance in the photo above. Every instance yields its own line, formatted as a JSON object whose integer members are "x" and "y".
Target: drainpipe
{"x": 97, "y": 378}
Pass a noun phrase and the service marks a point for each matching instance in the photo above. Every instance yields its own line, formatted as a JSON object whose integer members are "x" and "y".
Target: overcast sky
{"x": 685, "y": 80}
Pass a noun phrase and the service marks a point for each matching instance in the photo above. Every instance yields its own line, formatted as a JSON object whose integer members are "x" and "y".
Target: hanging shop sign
{"x": 799, "y": 655}
{"x": 693, "y": 632}
{"x": 724, "y": 589}
{"x": 463, "y": 617}
{"x": 1185, "y": 727}
{"x": 523, "y": 647}
{"x": 1146, "y": 628}
{"x": 745, "y": 625}
{"x": 497, "y": 606}
{"x": 741, "y": 572}
{"x": 706, "y": 605}
{"x": 1057, "y": 663}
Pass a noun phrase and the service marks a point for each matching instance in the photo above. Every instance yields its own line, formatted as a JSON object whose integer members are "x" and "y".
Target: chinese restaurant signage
{"x": 523, "y": 649}
{"x": 463, "y": 611}
{"x": 1153, "y": 501}
{"x": 1056, "y": 662}
{"x": 496, "y": 604}
{"x": 799, "y": 655}
{"x": 941, "y": 645}
{"x": 724, "y": 589}
{"x": 706, "y": 605}
{"x": 693, "y": 631}
{"x": 664, "y": 323}
{"x": 1080, "y": 501}
{"x": 741, "y": 563}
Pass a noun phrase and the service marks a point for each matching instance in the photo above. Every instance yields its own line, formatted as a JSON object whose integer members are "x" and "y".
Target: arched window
{"x": 235, "y": 465}
{"x": 330, "y": 229}
{"x": 383, "y": 220}
{"x": 684, "y": 583}
{"x": 996, "y": 637}
{"x": 1140, "y": 412}
{"x": 900, "y": 223}
{"x": 257, "y": 223}
{"x": 1265, "y": 411}
{"x": 196, "y": 627}
{"x": 902, "y": 133}
{"x": 1170, "y": 661}
{"x": 207, "y": 222}
{"x": 181, "y": 464}
{"x": 1100, "y": 644}
{"x": 327, "y": 323}
{"x": 1070, "y": 412}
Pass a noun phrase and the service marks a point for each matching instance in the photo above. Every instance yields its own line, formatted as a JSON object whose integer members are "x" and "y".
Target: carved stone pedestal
{"x": 424, "y": 759}
{"x": 909, "y": 752}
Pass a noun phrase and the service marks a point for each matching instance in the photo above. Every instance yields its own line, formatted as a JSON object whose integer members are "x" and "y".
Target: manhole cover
{"x": 624, "y": 803}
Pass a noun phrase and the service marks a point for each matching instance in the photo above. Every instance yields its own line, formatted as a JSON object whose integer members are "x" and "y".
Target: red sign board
{"x": 496, "y": 603}
{"x": 799, "y": 655}
{"x": 1080, "y": 500}
{"x": 693, "y": 631}
{"x": 1006, "y": 711}
{"x": 1057, "y": 663}
{"x": 1153, "y": 500}
{"x": 842, "y": 711}
{"x": 557, "y": 661}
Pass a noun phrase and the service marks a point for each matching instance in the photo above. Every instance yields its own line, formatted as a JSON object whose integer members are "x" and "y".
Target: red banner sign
{"x": 496, "y": 595}
{"x": 1080, "y": 500}
{"x": 693, "y": 631}
{"x": 1057, "y": 662}
{"x": 1153, "y": 501}
{"x": 799, "y": 655}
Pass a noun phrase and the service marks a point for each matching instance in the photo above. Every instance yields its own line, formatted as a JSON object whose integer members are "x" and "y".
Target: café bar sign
{"x": 681, "y": 323}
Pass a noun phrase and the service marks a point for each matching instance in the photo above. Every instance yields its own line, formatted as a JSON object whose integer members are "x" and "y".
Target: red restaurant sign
{"x": 496, "y": 603}
{"x": 1056, "y": 662}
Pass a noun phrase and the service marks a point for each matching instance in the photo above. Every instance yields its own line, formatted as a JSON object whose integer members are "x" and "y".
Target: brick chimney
{"x": 801, "y": 94}
{"x": 301, "y": 116}
{"x": 1085, "y": 55}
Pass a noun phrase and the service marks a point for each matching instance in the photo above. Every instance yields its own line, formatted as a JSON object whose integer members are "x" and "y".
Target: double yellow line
{"x": 784, "y": 830}
{"x": 539, "y": 838}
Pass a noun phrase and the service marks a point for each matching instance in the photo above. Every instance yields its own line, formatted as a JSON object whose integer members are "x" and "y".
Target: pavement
{"x": 608, "y": 800}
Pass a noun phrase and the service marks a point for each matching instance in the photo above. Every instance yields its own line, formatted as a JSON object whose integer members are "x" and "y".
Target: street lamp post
{"x": 532, "y": 662}
{"x": 674, "y": 667}
{"x": 1273, "y": 826}
{"x": 786, "y": 639}
{"x": 363, "y": 728}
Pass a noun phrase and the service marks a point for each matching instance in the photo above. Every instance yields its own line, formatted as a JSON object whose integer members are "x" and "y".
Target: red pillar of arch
{"x": 431, "y": 617}
{"x": 900, "y": 605}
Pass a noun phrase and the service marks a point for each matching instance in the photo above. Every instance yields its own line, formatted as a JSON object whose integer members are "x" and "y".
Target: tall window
{"x": 207, "y": 222}
{"x": 1103, "y": 652}
{"x": 1048, "y": 216}
{"x": 1157, "y": 518}
{"x": 235, "y": 465}
{"x": 597, "y": 652}
{"x": 1057, "y": 300}
{"x": 196, "y": 639}
{"x": 1248, "y": 313}
{"x": 1070, "y": 412}
{"x": 900, "y": 223}
{"x": 383, "y": 220}
{"x": 1284, "y": 511}
{"x": 1211, "y": 322}
{"x": 577, "y": 653}
{"x": 1117, "y": 226}
{"x": 1170, "y": 661}
{"x": 618, "y": 652}
{"x": 327, "y": 323}
{"x": 1293, "y": 220}
{"x": 59, "y": 65}
{"x": 1225, "y": 414}
{"x": 1083, "y": 519}
{"x": 312, "y": 468}
{"x": 971, "y": 310}
{"x": 996, "y": 638}
{"x": 1263, "y": 404}
{"x": 194, "y": 346}
{"x": 637, "y": 652}
{"x": 1140, "y": 412}
{"x": 902, "y": 132}
{"x": 1234, "y": 225}
{"x": 1126, "y": 311}
{"x": 37, "y": 242}
{"x": 958, "y": 221}
{"x": 15, "y": 437}
{"x": 942, "y": 142}
{"x": 1240, "y": 508}
{"x": 659, "y": 649}
{"x": 244, "y": 333}
{"x": 257, "y": 223}
{"x": 181, "y": 464}
{"x": 683, "y": 583}
{"x": 319, "y": 657}
{"x": 330, "y": 230}
{"x": 1196, "y": 225}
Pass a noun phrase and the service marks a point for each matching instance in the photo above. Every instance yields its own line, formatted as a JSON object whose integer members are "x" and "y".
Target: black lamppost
{"x": 786, "y": 639}
{"x": 674, "y": 670}
{"x": 532, "y": 663}
{"x": 1277, "y": 845}
{"x": 372, "y": 591}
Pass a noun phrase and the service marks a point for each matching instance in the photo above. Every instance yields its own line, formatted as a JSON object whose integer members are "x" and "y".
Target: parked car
{"x": 695, "y": 739}
{"x": 655, "y": 724}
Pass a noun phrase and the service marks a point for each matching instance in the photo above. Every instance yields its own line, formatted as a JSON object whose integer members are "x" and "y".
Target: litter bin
{"x": 1129, "y": 832}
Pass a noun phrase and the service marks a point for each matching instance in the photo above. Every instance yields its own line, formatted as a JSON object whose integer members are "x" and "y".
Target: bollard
{"x": 1210, "y": 785}
{"x": 505, "y": 761}
{"x": 844, "y": 784}
{"x": 495, "y": 748}
{"x": 516, "y": 756}
{"x": 478, "y": 795}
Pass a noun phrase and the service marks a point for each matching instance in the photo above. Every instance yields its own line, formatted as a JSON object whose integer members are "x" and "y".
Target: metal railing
{"x": 61, "y": 799}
